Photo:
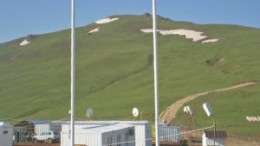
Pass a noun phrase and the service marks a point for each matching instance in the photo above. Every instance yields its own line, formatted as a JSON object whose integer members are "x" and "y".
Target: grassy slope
{"x": 230, "y": 110}
{"x": 114, "y": 70}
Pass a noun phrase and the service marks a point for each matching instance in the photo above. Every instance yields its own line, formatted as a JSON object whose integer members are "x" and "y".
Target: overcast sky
{"x": 21, "y": 17}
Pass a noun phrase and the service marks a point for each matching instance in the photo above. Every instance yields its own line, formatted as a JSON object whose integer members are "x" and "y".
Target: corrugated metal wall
{"x": 93, "y": 139}
{"x": 142, "y": 130}
{"x": 55, "y": 127}
{"x": 114, "y": 140}
{"x": 98, "y": 139}
{"x": 169, "y": 133}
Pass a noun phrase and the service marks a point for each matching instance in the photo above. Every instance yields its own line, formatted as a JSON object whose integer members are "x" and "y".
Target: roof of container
{"x": 2, "y": 123}
{"x": 219, "y": 134}
{"x": 101, "y": 128}
{"x": 108, "y": 122}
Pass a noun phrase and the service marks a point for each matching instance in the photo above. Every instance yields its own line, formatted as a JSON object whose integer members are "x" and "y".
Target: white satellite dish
{"x": 89, "y": 112}
{"x": 187, "y": 110}
{"x": 135, "y": 112}
{"x": 207, "y": 109}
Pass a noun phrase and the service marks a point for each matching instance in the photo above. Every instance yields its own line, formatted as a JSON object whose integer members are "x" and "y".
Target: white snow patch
{"x": 27, "y": 40}
{"x": 147, "y": 30}
{"x": 189, "y": 34}
{"x": 106, "y": 20}
{"x": 24, "y": 42}
{"x": 94, "y": 30}
{"x": 209, "y": 41}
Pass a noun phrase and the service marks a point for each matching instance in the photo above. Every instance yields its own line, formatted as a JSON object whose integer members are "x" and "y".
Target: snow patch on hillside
{"x": 28, "y": 39}
{"x": 24, "y": 42}
{"x": 189, "y": 34}
{"x": 94, "y": 30}
{"x": 147, "y": 30}
{"x": 106, "y": 20}
{"x": 209, "y": 41}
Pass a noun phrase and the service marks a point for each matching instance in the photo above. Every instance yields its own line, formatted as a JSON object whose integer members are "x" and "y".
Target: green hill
{"x": 114, "y": 71}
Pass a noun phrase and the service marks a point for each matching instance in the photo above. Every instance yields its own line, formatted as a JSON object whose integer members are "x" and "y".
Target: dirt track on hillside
{"x": 169, "y": 114}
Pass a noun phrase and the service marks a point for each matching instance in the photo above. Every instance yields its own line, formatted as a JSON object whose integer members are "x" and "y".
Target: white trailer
{"x": 6, "y": 134}
{"x": 100, "y": 135}
{"x": 142, "y": 129}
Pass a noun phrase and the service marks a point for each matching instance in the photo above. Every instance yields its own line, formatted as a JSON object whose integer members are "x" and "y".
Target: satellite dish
{"x": 69, "y": 112}
{"x": 187, "y": 110}
{"x": 207, "y": 109}
{"x": 135, "y": 112}
{"x": 89, "y": 112}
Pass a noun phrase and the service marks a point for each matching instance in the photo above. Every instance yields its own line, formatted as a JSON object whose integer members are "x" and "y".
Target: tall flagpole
{"x": 72, "y": 72}
{"x": 156, "y": 92}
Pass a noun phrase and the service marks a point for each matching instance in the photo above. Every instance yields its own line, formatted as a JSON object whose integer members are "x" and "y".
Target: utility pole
{"x": 72, "y": 72}
{"x": 156, "y": 92}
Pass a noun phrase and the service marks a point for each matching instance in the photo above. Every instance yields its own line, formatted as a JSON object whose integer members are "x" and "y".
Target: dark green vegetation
{"x": 115, "y": 73}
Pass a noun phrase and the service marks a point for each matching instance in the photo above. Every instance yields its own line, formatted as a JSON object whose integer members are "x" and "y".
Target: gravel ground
{"x": 36, "y": 144}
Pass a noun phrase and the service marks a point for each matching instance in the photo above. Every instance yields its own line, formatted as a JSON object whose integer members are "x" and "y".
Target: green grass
{"x": 115, "y": 72}
{"x": 230, "y": 110}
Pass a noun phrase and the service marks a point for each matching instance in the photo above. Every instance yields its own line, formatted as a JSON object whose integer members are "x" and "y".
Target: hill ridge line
{"x": 169, "y": 114}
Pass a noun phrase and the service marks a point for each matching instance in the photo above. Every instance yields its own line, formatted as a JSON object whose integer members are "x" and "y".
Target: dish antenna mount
{"x": 89, "y": 112}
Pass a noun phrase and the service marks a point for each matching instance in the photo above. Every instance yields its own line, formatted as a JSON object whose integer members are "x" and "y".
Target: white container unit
{"x": 100, "y": 135}
{"x": 142, "y": 129}
{"x": 6, "y": 134}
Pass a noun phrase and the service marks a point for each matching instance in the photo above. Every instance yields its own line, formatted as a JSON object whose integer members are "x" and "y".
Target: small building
{"x": 6, "y": 134}
{"x": 99, "y": 135}
{"x": 142, "y": 129}
{"x": 209, "y": 136}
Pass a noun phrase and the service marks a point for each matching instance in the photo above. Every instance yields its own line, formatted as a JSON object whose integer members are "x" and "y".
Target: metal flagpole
{"x": 72, "y": 72}
{"x": 156, "y": 92}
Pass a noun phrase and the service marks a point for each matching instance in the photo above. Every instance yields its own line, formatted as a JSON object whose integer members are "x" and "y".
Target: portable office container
{"x": 6, "y": 134}
{"x": 100, "y": 135}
